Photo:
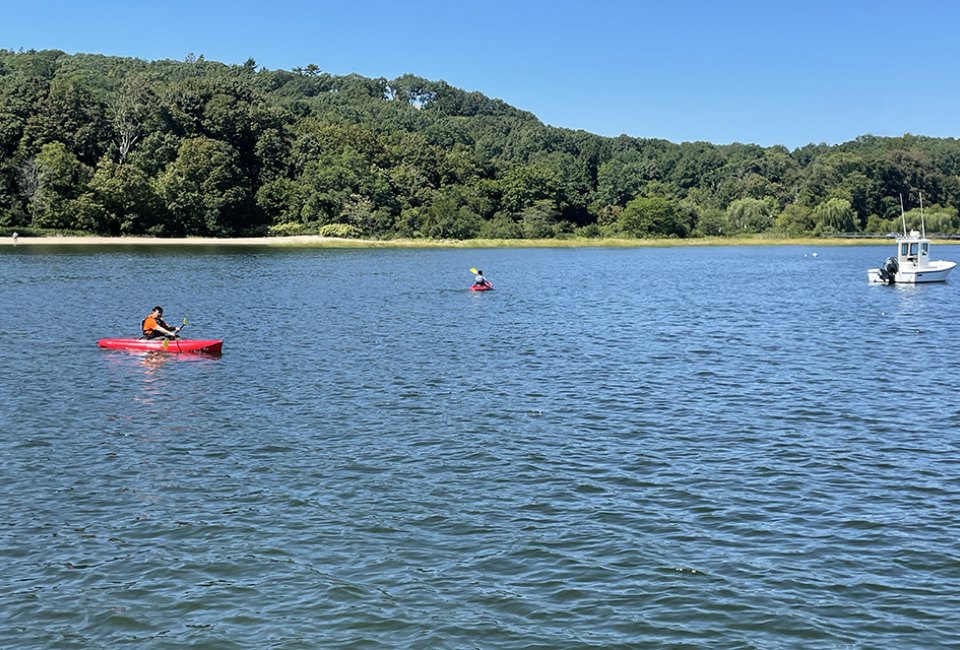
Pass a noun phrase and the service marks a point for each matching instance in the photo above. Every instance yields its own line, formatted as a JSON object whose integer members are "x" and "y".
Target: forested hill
{"x": 123, "y": 146}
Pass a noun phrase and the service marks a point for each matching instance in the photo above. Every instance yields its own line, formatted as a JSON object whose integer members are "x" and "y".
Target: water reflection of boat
{"x": 152, "y": 361}
{"x": 912, "y": 263}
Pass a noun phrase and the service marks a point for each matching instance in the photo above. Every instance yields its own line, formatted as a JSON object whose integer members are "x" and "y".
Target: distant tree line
{"x": 121, "y": 146}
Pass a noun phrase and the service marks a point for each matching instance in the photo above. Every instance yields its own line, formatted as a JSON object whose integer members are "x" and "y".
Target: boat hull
{"x": 175, "y": 346}
{"x": 935, "y": 271}
{"x": 486, "y": 287}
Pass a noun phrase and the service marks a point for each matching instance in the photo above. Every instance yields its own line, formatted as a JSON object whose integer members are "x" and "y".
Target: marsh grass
{"x": 580, "y": 242}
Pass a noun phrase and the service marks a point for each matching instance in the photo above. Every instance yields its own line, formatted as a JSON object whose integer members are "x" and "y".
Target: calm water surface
{"x": 687, "y": 447}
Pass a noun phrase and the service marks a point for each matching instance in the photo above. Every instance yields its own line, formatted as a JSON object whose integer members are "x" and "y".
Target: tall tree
{"x": 60, "y": 178}
{"x": 130, "y": 112}
{"x": 204, "y": 190}
{"x": 70, "y": 114}
{"x": 655, "y": 216}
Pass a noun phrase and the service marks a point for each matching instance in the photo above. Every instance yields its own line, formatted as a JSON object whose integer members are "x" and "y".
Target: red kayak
{"x": 162, "y": 345}
{"x": 484, "y": 287}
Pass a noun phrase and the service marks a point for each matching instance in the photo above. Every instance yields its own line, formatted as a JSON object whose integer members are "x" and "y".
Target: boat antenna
{"x": 923, "y": 229}
{"x": 903, "y": 218}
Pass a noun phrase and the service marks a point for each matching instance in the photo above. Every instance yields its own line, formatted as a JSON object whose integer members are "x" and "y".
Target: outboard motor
{"x": 888, "y": 272}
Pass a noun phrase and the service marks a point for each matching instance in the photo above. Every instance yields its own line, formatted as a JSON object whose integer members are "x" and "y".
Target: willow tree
{"x": 835, "y": 216}
{"x": 749, "y": 216}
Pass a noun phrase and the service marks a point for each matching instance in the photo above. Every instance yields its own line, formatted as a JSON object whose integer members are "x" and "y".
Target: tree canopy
{"x": 116, "y": 146}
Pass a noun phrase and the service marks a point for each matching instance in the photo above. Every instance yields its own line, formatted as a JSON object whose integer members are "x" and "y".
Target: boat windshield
{"x": 913, "y": 248}
{"x": 904, "y": 247}
{"x": 924, "y": 250}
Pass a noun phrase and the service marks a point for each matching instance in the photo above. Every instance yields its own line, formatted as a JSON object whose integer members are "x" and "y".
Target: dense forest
{"x": 121, "y": 146}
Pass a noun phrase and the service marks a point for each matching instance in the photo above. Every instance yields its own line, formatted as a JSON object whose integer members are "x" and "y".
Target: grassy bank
{"x": 619, "y": 243}
{"x": 314, "y": 241}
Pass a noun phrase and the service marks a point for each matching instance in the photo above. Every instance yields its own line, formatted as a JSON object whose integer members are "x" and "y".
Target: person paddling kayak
{"x": 479, "y": 280}
{"x": 154, "y": 327}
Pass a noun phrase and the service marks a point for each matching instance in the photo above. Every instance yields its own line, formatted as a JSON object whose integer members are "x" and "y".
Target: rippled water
{"x": 684, "y": 447}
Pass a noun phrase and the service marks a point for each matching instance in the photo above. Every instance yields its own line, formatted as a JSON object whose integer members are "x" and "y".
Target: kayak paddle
{"x": 166, "y": 341}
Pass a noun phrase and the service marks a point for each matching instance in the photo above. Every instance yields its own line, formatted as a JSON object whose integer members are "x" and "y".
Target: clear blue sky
{"x": 765, "y": 72}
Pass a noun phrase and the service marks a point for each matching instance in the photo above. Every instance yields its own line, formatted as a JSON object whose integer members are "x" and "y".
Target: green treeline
{"x": 121, "y": 146}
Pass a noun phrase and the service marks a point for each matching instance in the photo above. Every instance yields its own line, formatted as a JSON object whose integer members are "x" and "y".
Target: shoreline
{"x": 316, "y": 241}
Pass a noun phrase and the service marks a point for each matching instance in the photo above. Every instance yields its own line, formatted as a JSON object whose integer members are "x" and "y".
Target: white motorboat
{"x": 912, "y": 263}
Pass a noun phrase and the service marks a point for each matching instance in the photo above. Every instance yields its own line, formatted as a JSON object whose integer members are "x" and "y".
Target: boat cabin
{"x": 914, "y": 250}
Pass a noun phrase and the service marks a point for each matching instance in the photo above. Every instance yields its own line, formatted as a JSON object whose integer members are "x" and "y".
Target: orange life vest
{"x": 148, "y": 325}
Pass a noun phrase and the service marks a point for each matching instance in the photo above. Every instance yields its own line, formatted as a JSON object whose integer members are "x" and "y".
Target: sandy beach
{"x": 59, "y": 240}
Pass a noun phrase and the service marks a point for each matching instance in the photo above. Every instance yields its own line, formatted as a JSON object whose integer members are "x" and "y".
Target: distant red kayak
{"x": 486, "y": 287}
{"x": 212, "y": 346}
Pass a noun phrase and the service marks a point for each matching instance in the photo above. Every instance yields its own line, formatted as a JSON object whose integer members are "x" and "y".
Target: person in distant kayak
{"x": 154, "y": 327}
{"x": 479, "y": 280}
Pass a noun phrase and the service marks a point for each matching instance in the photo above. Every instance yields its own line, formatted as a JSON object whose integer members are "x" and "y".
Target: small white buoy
{"x": 814, "y": 254}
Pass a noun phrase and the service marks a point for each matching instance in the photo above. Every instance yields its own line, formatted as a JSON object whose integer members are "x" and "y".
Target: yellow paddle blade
{"x": 473, "y": 270}
{"x": 166, "y": 344}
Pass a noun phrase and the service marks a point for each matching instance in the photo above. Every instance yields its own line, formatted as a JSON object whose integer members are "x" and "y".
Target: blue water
{"x": 743, "y": 447}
